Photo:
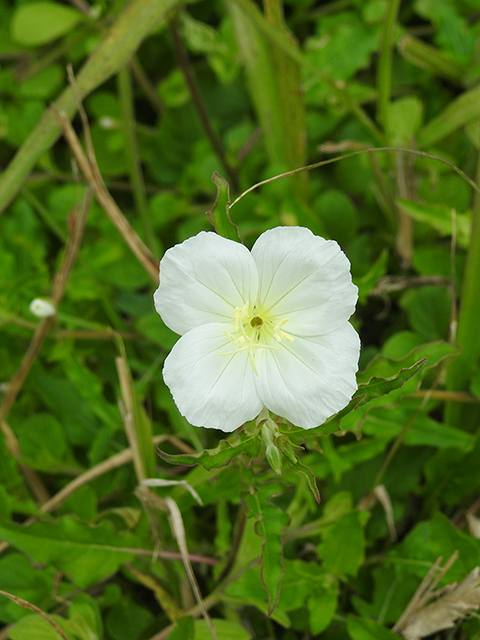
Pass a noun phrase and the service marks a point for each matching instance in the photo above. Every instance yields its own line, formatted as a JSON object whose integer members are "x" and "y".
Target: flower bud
{"x": 274, "y": 458}
{"x": 42, "y": 308}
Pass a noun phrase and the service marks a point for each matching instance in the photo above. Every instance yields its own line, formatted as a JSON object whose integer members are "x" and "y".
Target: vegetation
{"x": 113, "y": 119}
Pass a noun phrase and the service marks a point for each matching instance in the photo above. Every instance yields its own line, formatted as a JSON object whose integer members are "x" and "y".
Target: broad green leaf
{"x": 364, "y": 629}
{"x": 440, "y": 218}
{"x": 17, "y": 576}
{"x": 342, "y": 549}
{"x": 184, "y": 629}
{"x": 34, "y": 627}
{"x": 127, "y": 618}
{"x": 338, "y": 215}
{"x": 84, "y": 618}
{"x": 43, "y": 443}
{"x": 85, "y": 553}
{"x": 343, "y": 45}
{"x": 224, "y": 628}
{"x": 405, "y": 118}
{"x": 322, "y": 606}
{"x": 38, "y": 23}
{"x": 428, "y": 311}
{"x": 214, "y": 458}
{"x": 438, "y": 537}
{"x": 424, "y": 430}
{"x": 271, "y": 522}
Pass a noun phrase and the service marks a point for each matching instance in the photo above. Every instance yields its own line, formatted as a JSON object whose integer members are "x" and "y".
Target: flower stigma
{"x": 253, "y": 331}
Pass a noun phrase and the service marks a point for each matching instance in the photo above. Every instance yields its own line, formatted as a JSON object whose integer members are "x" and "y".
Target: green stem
{"x": 132, "y": 155}
{"x": 384, "y": 74}
{"x": 44, "y": 214}
{"x": 468, "y": 336}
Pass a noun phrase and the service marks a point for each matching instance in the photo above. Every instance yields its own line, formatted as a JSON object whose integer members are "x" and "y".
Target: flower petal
{"x": 202, "y": 280}
{"x": 304, "y": 278}
{"x": 211, "y": 389}
{"x": 310, "y": 379}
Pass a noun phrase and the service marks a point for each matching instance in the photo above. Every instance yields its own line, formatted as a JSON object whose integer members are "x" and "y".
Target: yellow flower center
{"x": 254, "y": 330}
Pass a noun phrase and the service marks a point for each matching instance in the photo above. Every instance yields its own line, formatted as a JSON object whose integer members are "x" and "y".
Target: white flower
{"x": 267, "y": 328}
{"x": 42, "y": 308}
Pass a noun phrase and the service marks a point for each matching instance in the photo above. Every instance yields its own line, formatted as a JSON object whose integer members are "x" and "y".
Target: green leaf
{"x": 378, "y": 387}
{"x": 322, "y": 606}
{"x": 219, "y": 215}
{"x": 424, "y": 431}
{"x": 342, "y": 549}
{"x": 405, "y": 118}
{"x": 270, "y": 524}
{"x": 85, "y": 553}
{"x": 43, "y": 443}
{"x": 224, "y": 628}
{"x": 309, "y": 475}
{"x": 184, "y": 629}
{"x": 17, "y": 576}
{"x": 440, "y": 218}
{"x": 218, "y": 457}
{"x": 38, "y": 23}
{"x": 34, "y": 627}
{"x": 364, "y": 629}
{"x": 438, "y": 537}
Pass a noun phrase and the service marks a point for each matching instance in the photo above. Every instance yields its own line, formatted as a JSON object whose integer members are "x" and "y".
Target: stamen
{"x": 252, "y": 332}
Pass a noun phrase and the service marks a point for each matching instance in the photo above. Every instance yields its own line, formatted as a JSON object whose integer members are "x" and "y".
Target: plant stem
{"x": 468, "y": 336}
{"x": 384, "y": 74}
{"x": 199, "y": 104}
{"x": 132, "y": 155}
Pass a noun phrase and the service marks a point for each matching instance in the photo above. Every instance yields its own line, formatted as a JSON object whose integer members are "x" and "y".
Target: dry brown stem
{"x": 453, "y": 602}
{"x": 89, "y": 168}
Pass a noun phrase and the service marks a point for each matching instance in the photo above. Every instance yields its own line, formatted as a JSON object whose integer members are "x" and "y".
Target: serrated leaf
{"x": 270, "y": 524}
{"x": 215, "y": 458}
{"x": 219, "y": 215}
{"x": 368, "y": 391}
{"x": 309, "y": 475}
{"x": 378, "y": 387}
{"x": 85, "y": 553}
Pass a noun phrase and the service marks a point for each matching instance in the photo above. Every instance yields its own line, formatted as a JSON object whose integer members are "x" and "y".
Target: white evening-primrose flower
{"x": 266, "y": 328}
{"x": 42, "y": 308}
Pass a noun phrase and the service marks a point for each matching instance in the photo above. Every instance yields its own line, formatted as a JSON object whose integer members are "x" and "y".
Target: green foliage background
{"x": 173, "y": 92}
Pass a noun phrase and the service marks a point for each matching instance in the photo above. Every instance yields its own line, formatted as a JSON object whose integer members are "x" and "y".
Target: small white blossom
{"x": 262, "y": 328}
{"x": 42, "y": 308}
